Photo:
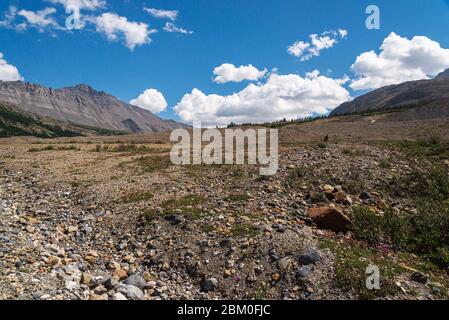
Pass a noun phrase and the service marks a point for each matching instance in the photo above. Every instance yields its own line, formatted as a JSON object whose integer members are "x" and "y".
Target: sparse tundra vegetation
{"x": 110, "y": 214}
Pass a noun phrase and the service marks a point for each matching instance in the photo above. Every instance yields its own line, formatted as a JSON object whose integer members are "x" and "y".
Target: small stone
{"x": 151, "y": 284}
{"x": 32, "y": 220}
{"x": 366, "y": 196}
{"x": 114, "y": 265}
{"x": 304, "y": 272}
{"x": 86, "y": 278}
{"x": 227, "y": 273}
{"x": 72, "y": 229}
{"x": 176, "y": 219}
{"x": 129, "y": 258}
{"x": 110, "y": 283}
{"x": 120, "y": 274}
{"x": 311, "y": 256}
{"x": 53, "y": 260}
{"x": 136, "y": 280}
{"x": 419, "y": 277}
{"x": 276, "y": 277}
{"x": 165, "y": 266}
{"x": 118, "y": 296}
{"x": 209, "y": 284}
{"x": 100, "y": 289}
{"x": 37, "y": 295}
{"x": 147, "y": 276}
{"x": 340, "y": 196}
{"x": 97, "y": 297}
{"x": 132, "y": 292}
{"x": 285, "y": 264}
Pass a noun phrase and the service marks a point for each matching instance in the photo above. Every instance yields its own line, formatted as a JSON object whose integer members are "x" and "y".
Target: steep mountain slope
{"x": 82, "y": 105}
{"x": 424, "y": 98}
{"x": 14, "y": 122}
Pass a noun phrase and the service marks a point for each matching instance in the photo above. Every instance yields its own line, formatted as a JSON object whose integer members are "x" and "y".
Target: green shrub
{"x": 425, "y": 232}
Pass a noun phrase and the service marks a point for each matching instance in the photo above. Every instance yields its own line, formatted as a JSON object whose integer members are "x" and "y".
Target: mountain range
{"x": 32, "y": 109}
{"x": 422, "y": 99}
{"x": 82, "y": 105}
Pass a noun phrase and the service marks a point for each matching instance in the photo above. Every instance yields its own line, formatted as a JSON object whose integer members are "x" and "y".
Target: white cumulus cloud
{"x": 81, "y": 4}
{"x": 8, "y": 72}
{"x": 164, "y": 14}
{"x": 281, "y": 96}
{"x": 151, "y": 100}
{"x": 399, "y": 60}
{"x": 116, "y": 27}
{"x": 171, "y": 27}
{"x": 230, "y": 73}
{"x": 307, "y": 50}
{"x": 40, "y": 19}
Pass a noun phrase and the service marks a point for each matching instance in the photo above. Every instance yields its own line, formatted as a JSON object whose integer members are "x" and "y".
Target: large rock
{"x": 329, "y": 218}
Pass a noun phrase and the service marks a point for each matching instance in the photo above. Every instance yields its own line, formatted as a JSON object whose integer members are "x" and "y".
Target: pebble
{"x": 136, "y": 280}
{"x": 209, "y": 284}
{"x": 310, "y": 256}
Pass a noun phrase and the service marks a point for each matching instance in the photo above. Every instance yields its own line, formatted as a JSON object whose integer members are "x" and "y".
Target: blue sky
{"x": 239, "y": 32}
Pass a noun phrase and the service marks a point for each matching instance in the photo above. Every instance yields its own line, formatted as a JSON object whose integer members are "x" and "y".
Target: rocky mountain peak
{"x": 444, "y": 74}
{"x": 85, "y": 88}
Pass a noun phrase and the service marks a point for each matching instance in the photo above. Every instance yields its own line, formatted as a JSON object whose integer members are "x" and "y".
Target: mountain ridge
{"x": 420, "y": 98}
{"x": 84, "y": 105}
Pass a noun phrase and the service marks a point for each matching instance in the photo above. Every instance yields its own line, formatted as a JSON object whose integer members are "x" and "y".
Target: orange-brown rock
{"x": 329, "y": 218}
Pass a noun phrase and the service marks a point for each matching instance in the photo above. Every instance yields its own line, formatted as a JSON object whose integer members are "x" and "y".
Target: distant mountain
{"x": 83, "y": 105}
{"x": 14, "y": 122}
{"x": 415, "y": 99}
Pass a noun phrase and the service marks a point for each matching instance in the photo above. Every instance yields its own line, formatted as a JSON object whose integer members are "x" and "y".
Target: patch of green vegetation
{"x": 322, "y": 145}
{"x": 352, "y": 152}
{"x": 351, "y": 262}
{"x": 133, "y": 197}
{"x": 387, "y": 228}
{"x": 18, "y": 123}
{"x": 385, "y": 164}
{"x": 296, "y": 175}
{"x": 425, "y": 232}
{"x": 207, "y": 228}
{"x": 130, "y": 148}
{"x": 101, "y": 131}
{"x": 244, "y": 230}
{"x": 51, "y": 148}
{"x": 189, "y": 206}
{"x": 15, "y": 123}
{"x": 261, "y": 292}
{"x": 238, "y": 197}
{"x": 433, "y": 147}
{"x": 150, "y": 164}
{"x": 188, "y": 200}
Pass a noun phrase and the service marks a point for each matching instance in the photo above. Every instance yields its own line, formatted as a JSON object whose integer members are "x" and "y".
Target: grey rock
{"x": 111, "y": 283}
{"x": 131, "y": 292}
{"x": 366, "y": 196}
{"x": 310, "y": 256}
{"x": 304, "y": 272}
{"x": 136, "y": 280}
{"x": 209, "y": 284}
{"x": 285, "y": 264}
{"x": 118, "y": 296}
{"x": 419, "y": 277}
{"x": 176, "y": 219}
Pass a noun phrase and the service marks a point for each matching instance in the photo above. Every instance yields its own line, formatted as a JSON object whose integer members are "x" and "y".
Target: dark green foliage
{"x": 425, "y": 232}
